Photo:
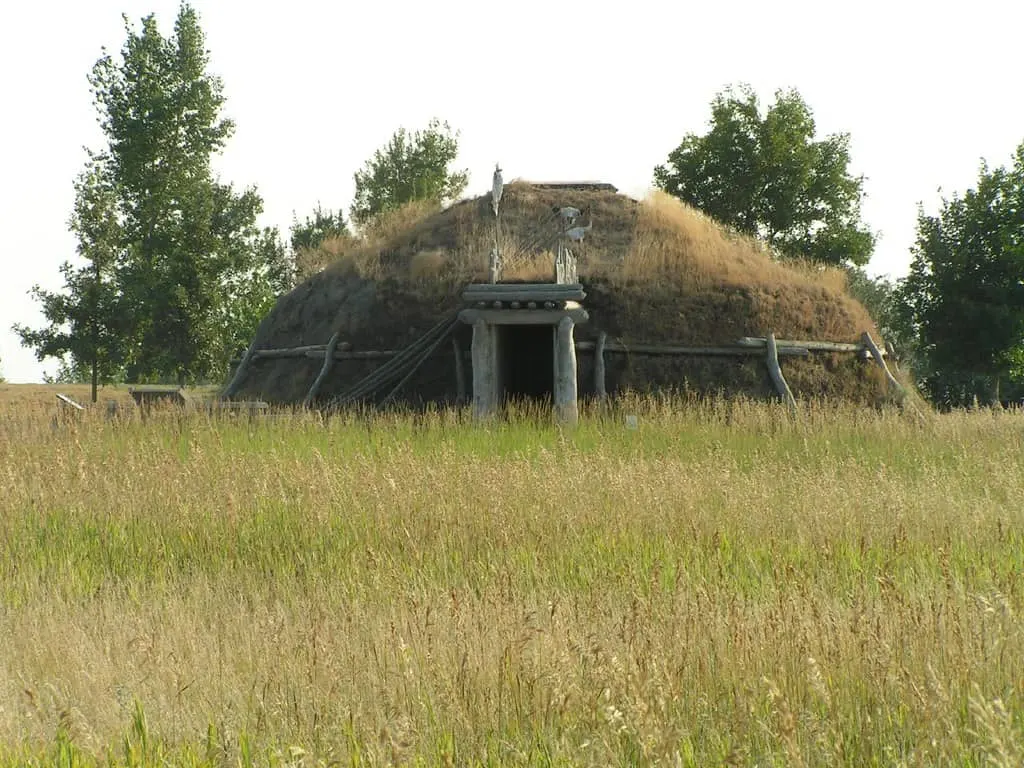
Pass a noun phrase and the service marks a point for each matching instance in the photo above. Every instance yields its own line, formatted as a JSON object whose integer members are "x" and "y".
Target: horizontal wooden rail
{"x": 748, "y": 346}
{"x": 659, "y": 349}
{"x": 755, "y": 342}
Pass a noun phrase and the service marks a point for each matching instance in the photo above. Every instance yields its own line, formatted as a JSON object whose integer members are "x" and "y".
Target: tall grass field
{"x": 720, "y": 585}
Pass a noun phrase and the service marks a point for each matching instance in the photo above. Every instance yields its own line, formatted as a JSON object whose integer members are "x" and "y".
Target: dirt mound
{"x": 654, "y": 271}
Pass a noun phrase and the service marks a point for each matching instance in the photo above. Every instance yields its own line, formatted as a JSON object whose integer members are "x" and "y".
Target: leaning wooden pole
{"x": 324, "y": 370}
{"x": 876, "y": 353}
{"x": 600, "y": 388}
{"x": 890, "y": 352}
{"x": 236, "y": 380}
{"x": 772, "y": 358}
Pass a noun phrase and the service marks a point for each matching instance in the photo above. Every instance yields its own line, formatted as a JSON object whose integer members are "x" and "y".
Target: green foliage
{"x": 409, "y": 167}
{"x": 179, "y": 272}
{"x": 964, "y": 295}
{"x": 766, "y": 175}
{"x": 313, "y": 230}
{"x": 308, "y": 236}
{"x": 878, "y": 295}
{"x": 87, "y": 319}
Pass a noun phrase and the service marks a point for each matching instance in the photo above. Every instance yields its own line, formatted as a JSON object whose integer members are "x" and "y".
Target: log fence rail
{"x": 768, "y": 348}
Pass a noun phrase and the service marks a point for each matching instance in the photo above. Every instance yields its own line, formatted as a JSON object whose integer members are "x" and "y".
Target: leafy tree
{"x": 308, "y": 238}
{"x": 313, "y": 230}
{"x": 879, "y": 297}
{"x": 964, "y": 295}
{"x": 767, "y": 176}
{"x": 409, "y": 167}
{"x": 86, "y": 322}
{"x": 184, "y": 268}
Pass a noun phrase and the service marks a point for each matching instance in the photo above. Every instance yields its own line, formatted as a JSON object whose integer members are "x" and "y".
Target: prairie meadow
{"x": 720, "y": 585}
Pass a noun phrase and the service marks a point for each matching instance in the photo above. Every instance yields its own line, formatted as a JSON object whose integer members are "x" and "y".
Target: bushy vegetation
{"x": 720, "y": 585}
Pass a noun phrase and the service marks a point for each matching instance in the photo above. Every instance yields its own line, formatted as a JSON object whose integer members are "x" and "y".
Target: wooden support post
{"x": 565, "y": 394}
{"x": 599, "y": 369}
{"x": 890, "y": 352}
{"x": 772, "y": 358}
{"x": 236, "y": 380}
{"x": 460, "y": 373}
{"x": 324, "y": 370}
{"x": 876, "y": 353}
{"x": 485, "y": 374}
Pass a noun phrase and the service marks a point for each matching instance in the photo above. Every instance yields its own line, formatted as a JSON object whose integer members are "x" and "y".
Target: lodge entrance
{"x": 523, "y": 347}
{"x": 526, "y": 363}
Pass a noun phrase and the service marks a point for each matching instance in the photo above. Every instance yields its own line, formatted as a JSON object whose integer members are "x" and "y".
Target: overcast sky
{"x": 551, "y": 90}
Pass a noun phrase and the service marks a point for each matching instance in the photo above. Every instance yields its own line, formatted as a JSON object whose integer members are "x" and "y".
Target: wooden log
{"x": 772, "y": 358}
{"x": 324, "y": 370}
{"x": 890, "y": 352}
{"x": 599, "y": 368}
{"x": 661, "y": 349}
{"x": 745, "y": 346}
{"x": 69, "y": 402}
{"x": 523, "y": 316}
{"x": 291, "y": 351}
{"x": 362, "y": 354}
{"x": 524, "y": 292}
{"x": 236, "y": 380}
{"x": 460, "y": 373}
{"x": 757, "y": 342}
{"x": 876, "y": 353}
{"x": 565, "y": 394}
{"x": 485, "y": 384}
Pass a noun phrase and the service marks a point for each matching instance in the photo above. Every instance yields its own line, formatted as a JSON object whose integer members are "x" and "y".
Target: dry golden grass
{"x": 676, "y": 242}
{"x": 427, "y": 265}
{"x": 310, "y": 261}
{"x": 659, "y": 245}
{"x": 664, "y": 239}
{"x": 45, "y": 395}
{"x": 364, "y": 255}
{"x": 720, "y": 586}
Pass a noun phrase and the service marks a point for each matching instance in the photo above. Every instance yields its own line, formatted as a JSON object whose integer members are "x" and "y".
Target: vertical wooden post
{"x": 324, "y": 370}
{"x": 485, "y": 374}
{"x": 772, "y": 358}
{"x": 460, "y": 373}
{"x": 565, "y": 395}
{"x": 599, "y": 370}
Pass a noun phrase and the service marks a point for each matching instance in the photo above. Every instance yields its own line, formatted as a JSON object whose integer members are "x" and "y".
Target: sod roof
{"x": 655, "y": 271}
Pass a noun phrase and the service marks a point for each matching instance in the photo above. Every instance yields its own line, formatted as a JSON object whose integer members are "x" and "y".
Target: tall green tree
{"x": 191, "y": 271}
{"x": 964, "y": 294}
{"x": 86, "y": 321}
{"x": 409, "y": 167}
{"x": 765, "y": 174}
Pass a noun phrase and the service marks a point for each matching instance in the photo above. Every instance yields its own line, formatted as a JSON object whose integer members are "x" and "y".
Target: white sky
{"x": 552, "y": 90}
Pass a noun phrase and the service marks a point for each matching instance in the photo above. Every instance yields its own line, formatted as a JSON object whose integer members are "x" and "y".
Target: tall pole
{"x": 95, "y": 327}
{"x": 497, "y": 187}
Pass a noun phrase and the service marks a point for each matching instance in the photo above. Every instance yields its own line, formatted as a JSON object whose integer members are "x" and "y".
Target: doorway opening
{"x": 526, "y": 362}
